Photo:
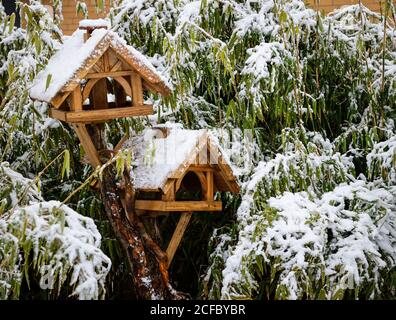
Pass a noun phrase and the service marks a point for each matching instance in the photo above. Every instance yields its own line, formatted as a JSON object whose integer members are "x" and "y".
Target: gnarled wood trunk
{"x": 148, "y": 263}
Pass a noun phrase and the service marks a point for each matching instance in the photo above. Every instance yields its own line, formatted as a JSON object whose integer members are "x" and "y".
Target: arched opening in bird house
{"x": 191, "y": 187}
{"x": 105, "y": 93}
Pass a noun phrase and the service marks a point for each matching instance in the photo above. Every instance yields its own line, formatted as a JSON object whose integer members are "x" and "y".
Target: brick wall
{"x": 329, "y": 5}
{"x": 71, "y": 19}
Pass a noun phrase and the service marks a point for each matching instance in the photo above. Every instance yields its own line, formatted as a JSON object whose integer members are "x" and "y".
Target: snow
{"x": 383, "y": 155}
{"x": 65, "y": 63}
{"x": 190, "y": 13}
{"x": 77, "y": 245}
{"x": 343, "y": 232}
{"x": 17, "y": 185}
{"x": 260, "y": 57}
{"x": 118, "y": 42}
{"x": 299, "y": 238}
{"x": 64, "y": 244}
{"x": 94, "y": 23}
{"x": 156, "y": 158}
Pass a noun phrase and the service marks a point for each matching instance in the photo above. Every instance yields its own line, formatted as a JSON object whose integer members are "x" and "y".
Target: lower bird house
{"x": 177, "y": 170}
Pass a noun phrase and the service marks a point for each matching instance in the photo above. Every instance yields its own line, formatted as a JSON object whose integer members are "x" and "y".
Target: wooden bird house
{"x": 178, "y": 170}
{"x": 95, "y": 76}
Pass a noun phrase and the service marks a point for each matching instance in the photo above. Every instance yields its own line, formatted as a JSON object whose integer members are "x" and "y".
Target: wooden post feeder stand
{"x": 96, "y": 77}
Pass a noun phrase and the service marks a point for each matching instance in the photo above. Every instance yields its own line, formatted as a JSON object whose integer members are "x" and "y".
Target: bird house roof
{"x": 76, "y": 56}
{"x": 164, "y": 153}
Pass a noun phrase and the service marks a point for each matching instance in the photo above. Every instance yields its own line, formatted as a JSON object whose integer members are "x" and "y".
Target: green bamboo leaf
{"x": 100, "y": 4}
{"x": 282, "y": 17}
{"x": 12, "y": 23}
{"x": 66, "y": 164}
{"x": 129, "y": 159}
{"x": 48, "y": 81}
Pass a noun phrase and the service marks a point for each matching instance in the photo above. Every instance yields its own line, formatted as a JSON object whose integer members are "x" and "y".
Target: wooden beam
{"x": 113, "y": 60}
{"x": 124, "y": 84}
{"x": 169, "y": 195}
{"x": 178, "y": 235}
{"x": 152, "y": 87}
{"x": 88, "y": 116}
{"x": 88, "y": 87}
{"x": 77, "y": 102}
{"x": 59, "y": 99}
{"x": 178, "y": 183}
{"x": 97, "y": 67}
{"x": 137, "y": 89}
{"x": 57, "y": 114}
{"x": 209, "y": 186}
{"x": 110, "y": 74}
{"x": 170, "y": 184}
{"x": 98, "y": 95}
{"x": 117, "y": 66}
{"x": 225, "y": 170}
{"x": 201, "y": 168}
{"x": 204, "y": 183}
{"x": 160, "y": 205}
{"x": 120, "y": 94}
{"x": 106, "y": 61}
{"x": 120, "y": 143}
{"x": 88, "y": 145}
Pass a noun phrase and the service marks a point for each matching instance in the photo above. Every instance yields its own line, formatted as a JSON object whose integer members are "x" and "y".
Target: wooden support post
{"x": 99, "y": 95}
{"x": 120, "y": 143}
{"x": 178, "y": 235}
{"x": 120, "y": 96}
{"x": 86, "y": 35}
{"x": 88, "y": 87}
{"x": 169, "y": 191}
{"x": 76, "y": 99}
{"x": 209, "y": 189}
{"x": 88, "y": 145}
{"x": 59, "y": 99}
{"x": 137, "y": 89}
{"x": 106, "y": 62}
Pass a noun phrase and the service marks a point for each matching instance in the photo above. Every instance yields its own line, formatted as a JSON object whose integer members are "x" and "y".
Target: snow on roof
{"x": 94, "y": 23}
{"x": 75, "y": 57}
{"x": 65, "y": 64}
{"x": 156, "y": 158}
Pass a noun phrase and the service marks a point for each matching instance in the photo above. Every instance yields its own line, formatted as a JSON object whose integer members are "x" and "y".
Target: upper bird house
{"x": 95, "y": 76}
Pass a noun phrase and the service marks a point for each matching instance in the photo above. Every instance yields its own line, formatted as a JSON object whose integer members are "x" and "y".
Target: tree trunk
{"x": 148, "y": 263}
